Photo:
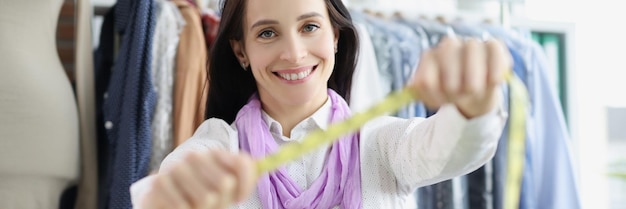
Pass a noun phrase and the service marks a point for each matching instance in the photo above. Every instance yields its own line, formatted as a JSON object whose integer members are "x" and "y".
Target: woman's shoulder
{"x": 212, "y": 132}
{"x": 214, "y": 122}
{"x": 214, "y": 126}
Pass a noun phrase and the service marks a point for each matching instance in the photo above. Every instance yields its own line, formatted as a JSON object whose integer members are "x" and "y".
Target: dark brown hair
{"x": 230, "y": 86}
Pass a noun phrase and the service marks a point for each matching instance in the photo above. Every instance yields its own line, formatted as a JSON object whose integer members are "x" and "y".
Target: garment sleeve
{"x": 211, "y": 134}
{"x": 421, "y": 152}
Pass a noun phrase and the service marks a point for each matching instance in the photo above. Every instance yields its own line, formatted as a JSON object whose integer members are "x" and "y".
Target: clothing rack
{"x": 505, "y": 20}
{"x": 528, "y": 59}
{"x": 102, "y": 9}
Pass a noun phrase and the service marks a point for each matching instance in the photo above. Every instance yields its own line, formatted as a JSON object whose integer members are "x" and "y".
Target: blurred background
{"x": 583, "y": 42}
{"x": 578, "y": 150}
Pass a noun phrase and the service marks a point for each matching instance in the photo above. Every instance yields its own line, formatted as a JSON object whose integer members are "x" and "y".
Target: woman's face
{"x": 290, "y": 47}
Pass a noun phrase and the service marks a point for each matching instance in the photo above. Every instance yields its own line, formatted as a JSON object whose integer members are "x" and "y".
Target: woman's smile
{"x": 296, "y": 75}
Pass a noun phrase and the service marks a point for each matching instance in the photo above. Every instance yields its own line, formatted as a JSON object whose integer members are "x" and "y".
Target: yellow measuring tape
{"x": 518, "y": 103}
{"x": 394, "y": 102}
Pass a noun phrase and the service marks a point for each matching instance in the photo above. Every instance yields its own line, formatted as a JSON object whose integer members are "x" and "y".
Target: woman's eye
{"x": 310, "y": 27}
{"x": 266, "y": 34}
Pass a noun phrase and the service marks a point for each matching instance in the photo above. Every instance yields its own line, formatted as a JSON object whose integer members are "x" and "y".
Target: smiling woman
{"x": 282, "y": 70}
{"x": 275, "y": 46}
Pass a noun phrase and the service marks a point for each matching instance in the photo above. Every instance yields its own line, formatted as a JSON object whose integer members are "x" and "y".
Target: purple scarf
{"x": 340, "y": 180}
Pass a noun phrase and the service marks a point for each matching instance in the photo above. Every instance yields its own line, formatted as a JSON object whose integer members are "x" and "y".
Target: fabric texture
{"x": 340, "y": 181}
{"x": 190, "y": 86}
{"x": 130, "y": 100}
{"x": 168, "y": 27}
{"x": 103, "y": 60}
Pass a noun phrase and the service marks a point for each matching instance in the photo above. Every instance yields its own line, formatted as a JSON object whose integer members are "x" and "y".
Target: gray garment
{"x": 166, "y": 36}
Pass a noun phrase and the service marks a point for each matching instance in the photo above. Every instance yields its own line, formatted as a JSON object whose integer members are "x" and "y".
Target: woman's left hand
{"x": 466, "y": 73}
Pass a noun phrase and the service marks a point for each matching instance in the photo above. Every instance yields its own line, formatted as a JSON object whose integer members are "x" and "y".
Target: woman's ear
{"x": 239, "y": 52}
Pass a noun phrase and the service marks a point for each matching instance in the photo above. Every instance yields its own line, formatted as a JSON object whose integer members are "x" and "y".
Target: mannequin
{"x": 39, "y": 130}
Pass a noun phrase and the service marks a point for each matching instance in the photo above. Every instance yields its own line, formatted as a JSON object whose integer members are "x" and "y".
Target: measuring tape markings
{"x": 398, "y": 99}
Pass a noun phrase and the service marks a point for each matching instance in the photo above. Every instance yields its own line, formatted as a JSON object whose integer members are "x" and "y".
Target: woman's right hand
{"x": 210, "y": 179}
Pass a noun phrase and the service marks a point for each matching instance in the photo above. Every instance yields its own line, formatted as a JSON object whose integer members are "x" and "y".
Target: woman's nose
{"x": 295, "y": 49}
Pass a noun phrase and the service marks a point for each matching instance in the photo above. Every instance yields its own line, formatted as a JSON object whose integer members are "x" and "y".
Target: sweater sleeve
{"x": 211, "y": 134}
{"x": 421, "y": 151}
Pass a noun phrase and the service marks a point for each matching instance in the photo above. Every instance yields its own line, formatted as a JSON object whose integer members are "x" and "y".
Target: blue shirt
{"x": 549, "y": 179}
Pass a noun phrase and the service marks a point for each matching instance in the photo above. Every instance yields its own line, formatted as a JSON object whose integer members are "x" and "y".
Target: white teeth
{"x": 295, "y": 76}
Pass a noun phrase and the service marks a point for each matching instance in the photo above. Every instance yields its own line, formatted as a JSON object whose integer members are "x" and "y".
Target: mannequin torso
{"x": 38, "y": 115}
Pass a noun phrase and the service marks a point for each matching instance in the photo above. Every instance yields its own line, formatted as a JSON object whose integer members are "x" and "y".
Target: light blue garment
{"x": 422, "y": 43}
{"x": 435, "y": 30}
{"x": 466, "y": 29}
{"x": 549, "y": 179}
{"x": 381, "y": 42}
{"x": 409, "y": 46}
{"x": 396, "y": 52}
